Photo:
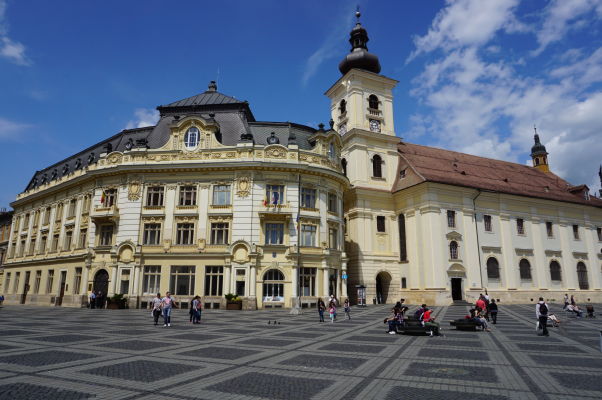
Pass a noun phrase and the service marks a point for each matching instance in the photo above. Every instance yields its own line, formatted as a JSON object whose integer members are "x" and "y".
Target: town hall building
{"x": 210, "y": 202}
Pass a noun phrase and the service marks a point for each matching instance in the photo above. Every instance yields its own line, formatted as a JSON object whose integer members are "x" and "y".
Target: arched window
{"x": 582, "y": 276}
{"x": 403, "y": 252}
{"x": 191, "y": 138}
{"x": 373, "y": 102}
{"x": 525, "y": 269}
{"x": 343, "y": 106}
{"x": 555, "y": 273}
{"x": 377, "y": 170}
{"x": 453, "y": 250}
{"x": 493, "y": 268}
{"x": 273, "y": 286}
{"x": 344, "y": 166}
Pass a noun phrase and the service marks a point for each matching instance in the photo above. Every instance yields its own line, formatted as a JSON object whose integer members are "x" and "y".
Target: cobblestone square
{"x": 109, "y": 354}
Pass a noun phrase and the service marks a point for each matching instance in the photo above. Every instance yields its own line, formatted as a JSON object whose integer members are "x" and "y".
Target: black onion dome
{"x": 538, "y": 148}
{"x": 359, "y": 57}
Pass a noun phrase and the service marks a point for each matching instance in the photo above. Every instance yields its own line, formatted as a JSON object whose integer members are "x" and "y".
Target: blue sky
{"x": 475, "y": 76}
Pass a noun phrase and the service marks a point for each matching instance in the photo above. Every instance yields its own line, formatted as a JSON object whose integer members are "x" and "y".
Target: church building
{"x": 211, "y": 202}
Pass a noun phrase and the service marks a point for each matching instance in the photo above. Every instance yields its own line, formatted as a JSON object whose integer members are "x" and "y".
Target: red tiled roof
{"x": 453, "y": 168}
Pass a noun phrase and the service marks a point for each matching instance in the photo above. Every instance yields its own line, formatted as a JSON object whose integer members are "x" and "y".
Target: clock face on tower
{"x": 374, "y": 125}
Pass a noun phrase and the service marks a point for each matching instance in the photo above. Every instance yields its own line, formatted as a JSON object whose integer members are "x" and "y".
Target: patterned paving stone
{"x": 272, "y": 386}
{"x": 549, "y": 347}
{"x": 267, "y": 342}
{"x": 578, "y": 381}
{"x": 460, "y": 372}
{"x": 227, "y": 353}
{"x": 196, "y": 336}
{"x": 352, "y": 348}
{"x": 324, "y": 361}
{"x": 141, "y": 370}
{"x": 66, "y": 338}
{"x": 26, "y": 391}
{"x": 44, "y": 358}
{"x": 543, "y": 359}
{"x": 410, "y": 393}
{"x": 454, "y": 354}
{"x": 7, "y": 333}
{"x": 138, "y": 345}
{"x": 384, "y": 338}
{"x": 292, "y": 335}
{"x": 456, "y": 343}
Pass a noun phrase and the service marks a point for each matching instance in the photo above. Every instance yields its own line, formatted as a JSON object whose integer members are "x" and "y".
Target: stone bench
{"x": 464, "y": 324}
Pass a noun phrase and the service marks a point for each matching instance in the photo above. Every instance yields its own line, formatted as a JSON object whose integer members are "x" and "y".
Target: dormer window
{"x": 191, "y": 138}
{"x": 373, "y": 102}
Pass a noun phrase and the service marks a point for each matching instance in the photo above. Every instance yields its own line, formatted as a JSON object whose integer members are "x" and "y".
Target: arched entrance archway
{"x": 101, "y": 282}
{"x": 383, "y": 287}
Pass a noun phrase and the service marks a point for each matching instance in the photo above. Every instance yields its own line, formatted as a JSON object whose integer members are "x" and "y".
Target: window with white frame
{"x": 108, "y": 197}
{"x": 55, "y": 243}
{"x": 185, "y": 233}
{"x": 219, "y": 232}
{"x": 576, "y": 232}
{"x": 68, "y": 240}
{"x": 106, "y": 235}
{"x": 308, "y": 235}
{"x": 187, "y": 196}
{"x": 151, "y": 280}
{"x": 154, "y": 196}
{"x": 274, "y": 233}
{"x": 493, "y": 268}
{"x": 83, "y": 238}
{"x": 36, "y": 282}
{"x": 555, "y": 271}
{"x": 43, "y": 244}
{"x": 274, "y": 194}
{"x": 273, "y": 286}
{"x": 191, "y": 138}
{"x": 17, "y": 278}
{"x": 7, "y": 282}
{"x": 59, "y": 212}
{"x": 182, "y": 280}
{"x": 221, "y": 195}
{"x": 524, "y": 269}
{"x": 307, "y": 281}
{"x": 125, "y": 281}
{"x": 77, "y": 280}
{"x": 46, "y": 219}
{"x": 32, "y": 246}
{"x": 72, "y": 207}
{"x": 381, "y": 226}
{"x": 333, "y": 238}
{"x": 152, "y": 234}
{"x": 308, "y": 198}
{"x": 50, "y": 281}
{"x": 214, "y": 280}
{"x": 333, "y": 203}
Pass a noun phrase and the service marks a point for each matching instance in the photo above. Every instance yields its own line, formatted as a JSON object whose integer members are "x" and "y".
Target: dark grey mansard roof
{"x": 233, "y": 116}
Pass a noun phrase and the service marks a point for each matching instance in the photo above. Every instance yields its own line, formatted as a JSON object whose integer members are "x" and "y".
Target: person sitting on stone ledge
{"x": 590, "y": 311}
{"x": 575, "y": 309}
{"x": 429, "y": 322}
{"x": 395, "y": 320}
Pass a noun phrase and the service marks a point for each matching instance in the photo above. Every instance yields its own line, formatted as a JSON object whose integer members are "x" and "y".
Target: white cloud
{"x": 329, "y": 48}
{"x": 471, "y": 104}
{"x": 10, "y": 49}
{"x": 562, "y": 15}
{"x": 12, "y": 130}
{"x": 143, "y": 117}
{"x": 467, "y": 23}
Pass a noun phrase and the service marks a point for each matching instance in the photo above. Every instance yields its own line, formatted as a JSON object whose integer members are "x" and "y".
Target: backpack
{"x": 543, "y": 309}
{"x": 418, "y": 314}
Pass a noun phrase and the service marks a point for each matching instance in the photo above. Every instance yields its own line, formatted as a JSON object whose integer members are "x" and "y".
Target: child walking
{"x": 347, "y": 309}
{"x": 332, "y": 310}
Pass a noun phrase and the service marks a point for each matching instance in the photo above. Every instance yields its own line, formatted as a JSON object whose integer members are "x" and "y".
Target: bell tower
{"x": 539, "y": 155}
{"x": 361, "y": 106}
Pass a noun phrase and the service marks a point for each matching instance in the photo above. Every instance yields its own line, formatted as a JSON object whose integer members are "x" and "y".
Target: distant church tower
{"x": 539, "y": 155}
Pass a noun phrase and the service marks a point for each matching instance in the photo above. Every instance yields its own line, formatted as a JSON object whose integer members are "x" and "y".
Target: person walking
{"x": 196, "y": 310}
{"x": 99, "y": 299}
{"x": 92, "y": 299}
{"x": 321, "y": 309}
{"x": 332, "y": 310}
{"x": 566, "y": 301}
{"x": 347, "y": 309}
{"x": 541, "y": 312}
{"x": 573, "y": 302}
{"x": 493, "y": 311}
{"x": 166, "y": 304}
{"x": 155, "y": 305}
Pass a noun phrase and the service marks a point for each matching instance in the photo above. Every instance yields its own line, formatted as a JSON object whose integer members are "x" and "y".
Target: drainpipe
{"x": 476, "y": 227}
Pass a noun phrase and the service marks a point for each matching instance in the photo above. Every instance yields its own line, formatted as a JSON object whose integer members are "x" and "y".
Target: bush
{"x": 232, "y": 297}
